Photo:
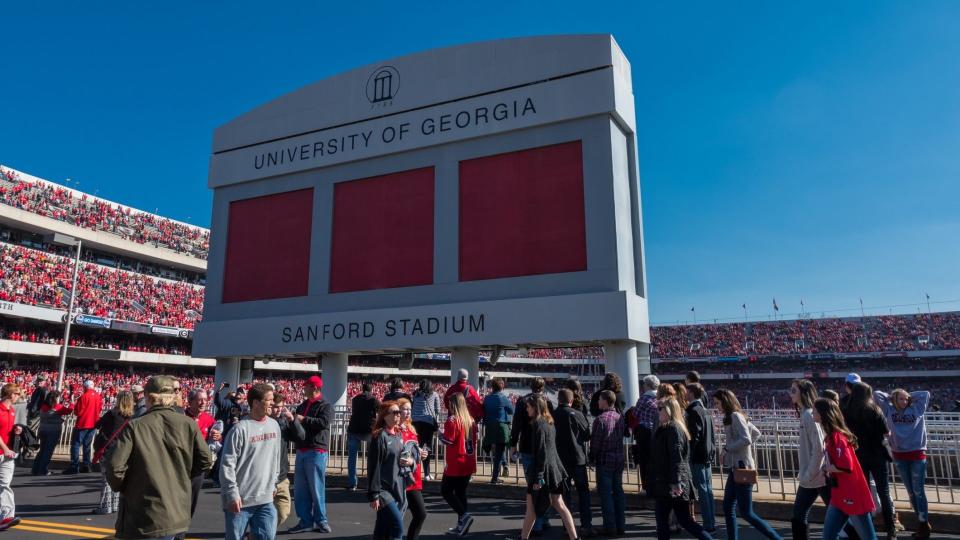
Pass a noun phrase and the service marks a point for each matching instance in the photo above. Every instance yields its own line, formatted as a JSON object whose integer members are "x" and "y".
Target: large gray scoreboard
{"x": 478, "y": 195}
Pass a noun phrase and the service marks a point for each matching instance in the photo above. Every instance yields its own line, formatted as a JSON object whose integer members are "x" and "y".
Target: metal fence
{"x": 777, "y": 458}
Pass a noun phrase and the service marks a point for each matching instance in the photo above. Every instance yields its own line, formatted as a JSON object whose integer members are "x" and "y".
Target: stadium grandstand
{"x": 140, "y": 293}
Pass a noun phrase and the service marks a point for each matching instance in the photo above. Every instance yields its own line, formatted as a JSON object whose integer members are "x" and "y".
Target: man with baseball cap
{"x": 849, "y": 382}
{"x": 315, "y": 415}
{"x": 151, "y": 464}
{"x": 88, "y": 410}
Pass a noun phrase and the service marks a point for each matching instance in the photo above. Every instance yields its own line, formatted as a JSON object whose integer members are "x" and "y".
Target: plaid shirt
{"x": 646, "y": 412}
{"x": 606, "y": 440}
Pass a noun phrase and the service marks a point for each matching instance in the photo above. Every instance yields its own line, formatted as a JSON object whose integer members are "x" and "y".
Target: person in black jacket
{"x": 671, "y": 482}
{"x": 613, "y": 383}
{"x": 310, "y": 467}
{"x": 108, "y": 428}
{"x": 573, "y": 432}
{"x": 700, "y": 426}
{"x": 545, "y": 476}
{"x": 396, "y": 391}
{"x": 363, "y": 413}
{"x": 521, "y": 437}
{"x": 868, "y": 424}
{"x": 386, "y": 490}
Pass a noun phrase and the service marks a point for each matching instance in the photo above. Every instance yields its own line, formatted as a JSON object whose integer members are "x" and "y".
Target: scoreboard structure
{"x": 451, "y": 200}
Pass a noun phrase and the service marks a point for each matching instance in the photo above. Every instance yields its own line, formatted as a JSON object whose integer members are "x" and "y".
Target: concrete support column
{"x": 227, "y": 370}
{"x": 334, "y": 366}
{"x": 624, "y": 360}
{"x": 246, "y": 370}
{"x": 465, "y": 358}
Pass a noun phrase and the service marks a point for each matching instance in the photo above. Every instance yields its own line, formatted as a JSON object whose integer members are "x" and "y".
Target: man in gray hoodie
{"x": 250, "y": 463}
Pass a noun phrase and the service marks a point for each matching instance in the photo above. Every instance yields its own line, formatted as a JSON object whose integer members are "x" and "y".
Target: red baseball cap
{"x": 315, "y": 381}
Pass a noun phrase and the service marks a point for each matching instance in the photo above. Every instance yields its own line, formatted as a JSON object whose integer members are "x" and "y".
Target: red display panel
{"x": 383, "y": 232}
{"x": 521, "y": 213}
{"x": 268, "y": 247}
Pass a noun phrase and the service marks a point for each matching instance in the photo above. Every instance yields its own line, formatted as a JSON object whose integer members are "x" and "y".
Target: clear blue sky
{"x": 798, "y": 151}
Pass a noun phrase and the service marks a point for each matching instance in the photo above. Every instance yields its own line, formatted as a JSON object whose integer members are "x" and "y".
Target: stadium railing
{"x": 777, "y": 460}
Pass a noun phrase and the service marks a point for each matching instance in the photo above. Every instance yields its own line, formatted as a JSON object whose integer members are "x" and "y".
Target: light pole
{"x": 65, "y": 240}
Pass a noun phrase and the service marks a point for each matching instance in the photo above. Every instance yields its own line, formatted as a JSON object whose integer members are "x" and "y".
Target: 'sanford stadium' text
{"x": 454, "y": 324}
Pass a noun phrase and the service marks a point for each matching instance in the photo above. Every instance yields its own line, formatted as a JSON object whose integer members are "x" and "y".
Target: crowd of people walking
{"x": 155, "y": 451}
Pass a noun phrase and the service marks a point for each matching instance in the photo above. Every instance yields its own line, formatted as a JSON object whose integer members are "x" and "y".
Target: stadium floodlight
{"x": 66, "y": 240}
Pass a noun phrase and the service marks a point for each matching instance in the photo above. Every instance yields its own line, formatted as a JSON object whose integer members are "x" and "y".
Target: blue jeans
{"x": 741, "y": 495}
{"x": 353, "y": 448}
{"x": 703, "y": 483}
{"x": 578, "y": 479}
{"x": 525, "y": 461}
{"x": 804, "y": 501}
{"x": 914, "y": 477}
{"x": 48, "y": 443}
{"x": 309, "y": 487}
{"x": 612, "y": 500}
{"x": 389, "y": 525}
{"x": 261, "y": 518}
{"x": 81, "y": 438}
{"x": 836, "y": 520}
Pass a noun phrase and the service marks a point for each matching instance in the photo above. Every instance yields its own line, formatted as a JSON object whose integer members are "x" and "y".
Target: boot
{"x": 923, "y": 530}
{"x": 799, "y": 529}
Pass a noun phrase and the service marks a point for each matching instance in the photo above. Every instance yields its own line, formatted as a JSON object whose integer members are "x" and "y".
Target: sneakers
{"x": 12, "y": 521}
{"x": 428, "y": 477}
{"x": 323, "y": 528}
{"x": 351, "y": 488}
{"x": 299, "y": 528}
{"x": 84, "y": 469}
{"x": 463, "y": 526}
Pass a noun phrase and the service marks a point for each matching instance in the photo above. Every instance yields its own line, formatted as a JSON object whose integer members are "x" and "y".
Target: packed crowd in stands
{"x": 84, "y": 211}
{"x": 37, "y": 241}
{"x": 793, "y": 365}
{"x": 29, "y": 276}
{"x": 937, "y": 331}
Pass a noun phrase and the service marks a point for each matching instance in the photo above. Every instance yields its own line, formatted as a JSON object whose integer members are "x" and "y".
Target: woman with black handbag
{"x": 850, "y": 497}
{"x": 672, "y": 482}
{"x": 737, "y": 460}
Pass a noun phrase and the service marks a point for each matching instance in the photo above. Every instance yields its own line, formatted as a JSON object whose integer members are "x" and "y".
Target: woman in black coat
{"x": 672, "y": 482}
{"x": 545, "y": 476}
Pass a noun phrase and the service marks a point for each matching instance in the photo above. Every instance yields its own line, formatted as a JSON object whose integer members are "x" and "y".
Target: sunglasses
{"x": 393, "y": 411}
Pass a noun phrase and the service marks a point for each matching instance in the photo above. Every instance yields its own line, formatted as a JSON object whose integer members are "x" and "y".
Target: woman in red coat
{"x": 850, "y": 497}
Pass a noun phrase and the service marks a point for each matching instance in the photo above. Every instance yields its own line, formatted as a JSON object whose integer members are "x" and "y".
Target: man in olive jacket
{"x": 151, "y": 464}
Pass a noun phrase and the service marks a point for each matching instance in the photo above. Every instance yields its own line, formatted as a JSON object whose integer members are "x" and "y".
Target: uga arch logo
{"x": 382, "y": 85}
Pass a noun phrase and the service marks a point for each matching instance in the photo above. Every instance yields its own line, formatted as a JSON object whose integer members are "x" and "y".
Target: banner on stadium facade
{"x": 31, "y": 312}
{"x": 127, "y": 326}
{"x": 91, "y": 320}
{"x": 165, "y": 330}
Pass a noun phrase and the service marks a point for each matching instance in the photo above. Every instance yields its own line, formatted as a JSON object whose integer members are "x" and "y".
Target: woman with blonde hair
{"x": 460, "y": 439}
{"x": 108, "y": 428}
{"x": 672, "y": 487}
{"x": 545, "y": 476}
{"x": 906, "y": 414}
